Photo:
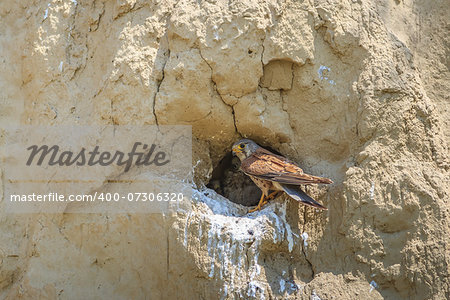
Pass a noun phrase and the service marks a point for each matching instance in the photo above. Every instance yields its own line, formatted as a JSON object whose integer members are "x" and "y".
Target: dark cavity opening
{"x": 229, "y": 181}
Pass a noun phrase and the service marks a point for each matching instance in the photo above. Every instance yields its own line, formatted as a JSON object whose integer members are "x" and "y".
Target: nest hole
{"x": 229, "y": 181}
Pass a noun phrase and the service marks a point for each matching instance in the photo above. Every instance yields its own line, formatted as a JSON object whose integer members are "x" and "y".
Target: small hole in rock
{"x": 228, "y": 181}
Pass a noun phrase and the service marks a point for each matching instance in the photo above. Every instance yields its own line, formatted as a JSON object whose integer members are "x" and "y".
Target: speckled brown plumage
{"x": 266, "y": 165}
{"x": 274, "y": 172}
{"x": 264, "y": 185}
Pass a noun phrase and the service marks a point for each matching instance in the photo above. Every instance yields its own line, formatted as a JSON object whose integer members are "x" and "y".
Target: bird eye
{"x": 241, "y": 146}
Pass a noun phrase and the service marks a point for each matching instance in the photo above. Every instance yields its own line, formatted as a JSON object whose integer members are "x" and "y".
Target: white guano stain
{"x": 305, "y": 237}
{"x": 289, "y": 237}
{"x": 372, "y": 190}
{"x": 46, "y": 12}
{"x": 233, "y": 238}
{"x": 314, "y": 296}
{"x": 282, "y": 285}
{"x": 322, "y": 69}
{"x": 373, "y": 285}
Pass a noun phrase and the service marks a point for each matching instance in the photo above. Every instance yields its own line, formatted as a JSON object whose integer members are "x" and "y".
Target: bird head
{"x": 244, "y": 148}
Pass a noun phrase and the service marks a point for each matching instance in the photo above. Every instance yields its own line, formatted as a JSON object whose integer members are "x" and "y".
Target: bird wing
{"x": 269, "y": 166}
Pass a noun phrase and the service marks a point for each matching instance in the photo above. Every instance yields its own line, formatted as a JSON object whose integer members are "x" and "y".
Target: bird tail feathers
{"x": 299, "y": 195}
{"x": 323, "y": 180}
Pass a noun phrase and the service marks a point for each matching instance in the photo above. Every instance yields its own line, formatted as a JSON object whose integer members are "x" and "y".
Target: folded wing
{"x": 269, "y": 166}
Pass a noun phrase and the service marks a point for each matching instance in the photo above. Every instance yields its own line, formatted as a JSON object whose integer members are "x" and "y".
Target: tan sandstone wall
{"x": 353, "y": 90}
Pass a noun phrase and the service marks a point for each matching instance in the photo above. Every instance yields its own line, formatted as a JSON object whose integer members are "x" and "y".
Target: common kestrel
{"x": 271, "y": 172}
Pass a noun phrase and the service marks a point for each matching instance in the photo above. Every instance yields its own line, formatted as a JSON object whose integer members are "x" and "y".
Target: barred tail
{"x": 296, "y": 193}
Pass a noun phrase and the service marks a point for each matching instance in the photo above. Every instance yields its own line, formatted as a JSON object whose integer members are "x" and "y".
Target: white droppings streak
{"x": 236, "y": 257}
{"x": 240, "y": 259}
{"x": 194, "y": 167}
{"x": 186, "y": 230}
{"x": 255, "y": 267}
{"x": 282, "y": 285}
{"x": 289, "y": 237}
{"x": 200, "y": 230}
{"x": 314, "y": 296}
{"x": 278, "y": 234}
{"x": 60, "y": 67}
{"x": 305, "y": 237}
{"x": 323, "y": 76}
{"x": 253, "y": 287}
{"x": 216, "y": 33}
{"x": 234, "y": 238}
{"x": 225, "y": 291}
{"x": 220, "y": 256}
{"x": 46, "y": 12}
{"x": 320, "y": 72}
{"x": 373, "y": 285}
{"x": 372, "y": 190}
{"x": 212, "y": 242}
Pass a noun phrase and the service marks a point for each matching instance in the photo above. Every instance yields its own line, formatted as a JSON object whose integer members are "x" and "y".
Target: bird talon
{"x": 261, "y": 203}
{"x": 273, "y": 195}
{"x": 254, "y": 209}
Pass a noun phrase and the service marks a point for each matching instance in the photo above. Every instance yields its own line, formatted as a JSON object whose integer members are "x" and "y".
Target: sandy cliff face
{"x": 356, "y": 91}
